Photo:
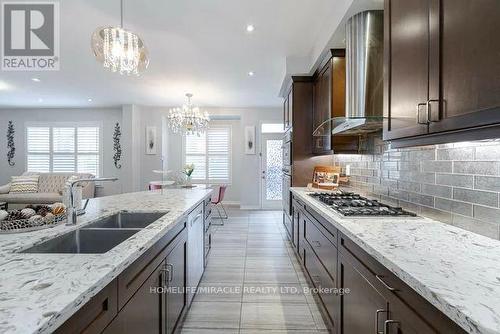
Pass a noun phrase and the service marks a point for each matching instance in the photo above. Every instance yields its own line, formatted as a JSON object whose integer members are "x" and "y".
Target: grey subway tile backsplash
{"x": 487, "y": 183}
{"x": 463, "y": 181}
{"x": 455, "y": 183}
{"x": 476, "y": 196}
{"x": 461, "y": 153}
{"x": 476, "y": 167}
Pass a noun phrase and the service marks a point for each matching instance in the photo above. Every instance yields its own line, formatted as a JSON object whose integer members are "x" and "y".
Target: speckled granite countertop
{"x": 38, "y": 292}
{"x": 455, "y": 270}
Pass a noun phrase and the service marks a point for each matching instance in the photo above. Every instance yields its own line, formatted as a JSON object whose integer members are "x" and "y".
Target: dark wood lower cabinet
{"x": 363, "y": 309}
{"x": 143, "y": 312}
{"x": 364, "y": 296}
{"x": 176, "y": 281}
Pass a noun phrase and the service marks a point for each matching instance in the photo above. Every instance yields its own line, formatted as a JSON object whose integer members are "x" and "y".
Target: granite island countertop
{"x": 39, "y": 292}
{"x": 455, "y": 270}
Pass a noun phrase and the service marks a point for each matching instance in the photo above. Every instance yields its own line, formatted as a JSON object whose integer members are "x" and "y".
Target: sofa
{"x": 50, "y": 189}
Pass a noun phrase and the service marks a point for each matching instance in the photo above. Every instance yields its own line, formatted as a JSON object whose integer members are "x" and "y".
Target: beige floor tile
{"x": 276, "y": 316}
{"x": 270, "y": 276}
{"x": 213, "y": 315}
{"x": 273, "y": 293}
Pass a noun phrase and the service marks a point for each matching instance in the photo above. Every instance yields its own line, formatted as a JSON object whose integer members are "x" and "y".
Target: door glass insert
{"x": 274, "y": 172}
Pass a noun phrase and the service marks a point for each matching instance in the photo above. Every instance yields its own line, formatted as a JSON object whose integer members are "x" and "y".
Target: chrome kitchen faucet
{"x": 72, "y": 211}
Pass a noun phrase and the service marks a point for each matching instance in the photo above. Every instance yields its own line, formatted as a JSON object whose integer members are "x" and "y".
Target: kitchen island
{"x": 409, "y": 273}
{"x": 40, "y": 292}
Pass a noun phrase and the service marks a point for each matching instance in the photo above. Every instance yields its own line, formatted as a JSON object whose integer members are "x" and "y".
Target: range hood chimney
{"x": 364, "y": 87}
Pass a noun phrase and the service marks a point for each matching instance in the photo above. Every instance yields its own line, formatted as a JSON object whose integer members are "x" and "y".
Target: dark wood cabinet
{"x": 465, "y": 77}
{"x": 329, "y": 100}
{"x": 143, "y": 313}
{"x": 357, "y": 293}
{"x": 451, "y": 91}
{"x": 175, "y": 263}
{"x": 363, "y": 309}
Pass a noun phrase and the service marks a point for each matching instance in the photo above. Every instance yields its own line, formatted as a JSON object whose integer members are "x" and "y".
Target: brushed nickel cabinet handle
{"x": 387, "y": 324}
{"x": 418, "y": 112}
{"x": 387, "y": 286}
{"x": 429, "y": 110}
{"x": 316, "y": 243}
{"x": 377, "y": 313}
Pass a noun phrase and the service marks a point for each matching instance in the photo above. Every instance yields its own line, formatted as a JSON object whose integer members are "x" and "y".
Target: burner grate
{"x": 351, "y": 204}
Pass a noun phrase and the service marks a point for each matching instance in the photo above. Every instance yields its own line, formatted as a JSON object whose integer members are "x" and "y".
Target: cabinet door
{"x": 176, "y": 295}
{"x": 144, "y": 312}
{"x": 404, "y": 321}
{"x": 363, "y": 309}
{"x": 406, "y": 68}
{"x": 321, "y": 108}
{"x": 290, "y": 108}
{"x": 296, "y": 226}
{"x": 470, "y": 64}
{"x": 285, "y": 113}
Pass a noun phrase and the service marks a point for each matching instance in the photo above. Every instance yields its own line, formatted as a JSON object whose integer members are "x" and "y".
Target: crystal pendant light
{"x": 188, "y": 119}
{"x": 120, "y": 50}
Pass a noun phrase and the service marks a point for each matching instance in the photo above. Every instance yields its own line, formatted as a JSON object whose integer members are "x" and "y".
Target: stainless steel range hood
{"x": 364, "y": 78}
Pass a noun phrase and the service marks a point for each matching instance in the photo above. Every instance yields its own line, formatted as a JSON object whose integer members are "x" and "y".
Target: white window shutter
{"x": 38, "y": 149}
{"x": 211, "y": 155}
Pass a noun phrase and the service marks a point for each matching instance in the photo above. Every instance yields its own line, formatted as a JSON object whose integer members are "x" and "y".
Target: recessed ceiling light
{"x": 250, "y": 28}
{"x": 251, "y": 74}
{"x": 35, "y": 79}
{"x": 90, "y": 100}
{"x": 40, "y": 100}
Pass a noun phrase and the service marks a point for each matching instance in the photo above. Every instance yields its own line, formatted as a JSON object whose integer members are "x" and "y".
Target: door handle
{"x": 426, "y": 105}
{"x": 164, "y": 274}
{"x": 387, "y": 325}
{"x": 377, "y": 313}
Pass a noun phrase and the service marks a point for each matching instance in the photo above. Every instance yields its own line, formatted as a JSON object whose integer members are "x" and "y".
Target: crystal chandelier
{"x": 120, "y": 50}
{"x": 188, "y": 119}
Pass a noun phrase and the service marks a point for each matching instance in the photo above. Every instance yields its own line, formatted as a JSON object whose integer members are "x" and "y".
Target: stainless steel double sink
{"x": 100, "y": 236}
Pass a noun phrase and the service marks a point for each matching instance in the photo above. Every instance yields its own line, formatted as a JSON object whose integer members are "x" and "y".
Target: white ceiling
{"x": 200, "y": 46}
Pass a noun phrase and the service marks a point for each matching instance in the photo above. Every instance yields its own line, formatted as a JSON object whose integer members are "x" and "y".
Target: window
{"x": 272, "y": 128}
{"x": 63, "y": 149}
{"x": 211, "y": 155}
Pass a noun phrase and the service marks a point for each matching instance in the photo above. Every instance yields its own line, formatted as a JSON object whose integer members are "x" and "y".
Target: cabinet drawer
{"x": 94, "y": 316}
{"x": 321, "y": 280}
{"x": 136, "y": 274}
{"x": 321, "y": 245}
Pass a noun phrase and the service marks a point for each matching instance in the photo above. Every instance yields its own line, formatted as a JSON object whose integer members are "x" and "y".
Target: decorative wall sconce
{"x": 10, "y": 144}
{"x": 117, "y": 146}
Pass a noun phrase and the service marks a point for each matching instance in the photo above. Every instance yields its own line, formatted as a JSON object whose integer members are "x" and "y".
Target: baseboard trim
{"x": 231, "y": 203}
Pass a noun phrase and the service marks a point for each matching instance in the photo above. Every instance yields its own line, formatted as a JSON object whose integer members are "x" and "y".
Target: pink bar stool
{"x": 217, "y": 202}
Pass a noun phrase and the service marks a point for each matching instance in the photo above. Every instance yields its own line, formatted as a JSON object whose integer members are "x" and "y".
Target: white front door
{"x": 271, "y": 170}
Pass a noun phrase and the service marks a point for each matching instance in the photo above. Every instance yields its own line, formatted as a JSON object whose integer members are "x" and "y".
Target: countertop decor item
{"x": 250, "y": 139}
{"x": 120, "y": 50}
{"x": 326, "y": 177}
{"x": 32, "y": 218}
{"x": 10, "y": 144}
{"x": 188, "y": 119}
{"x": 117, "y": 146}
{"x": 188, "y": 171}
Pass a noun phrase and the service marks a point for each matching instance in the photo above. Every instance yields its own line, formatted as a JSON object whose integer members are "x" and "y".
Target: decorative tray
{"x": 34, "y": 223}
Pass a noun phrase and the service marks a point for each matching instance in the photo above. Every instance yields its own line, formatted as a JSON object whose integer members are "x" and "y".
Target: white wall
{"x": 245, "y": 186}
{"x": 107, "y": 117}
{"x": 137, "y": 167}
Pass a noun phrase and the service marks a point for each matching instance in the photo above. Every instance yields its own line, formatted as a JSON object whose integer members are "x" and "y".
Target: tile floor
{"x": 253, "y": 282}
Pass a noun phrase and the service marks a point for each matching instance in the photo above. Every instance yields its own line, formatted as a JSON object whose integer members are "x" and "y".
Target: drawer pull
{"x": 387, "y": 286}
{"x": 387, "y": 324}
{"x": 377, "y": 313}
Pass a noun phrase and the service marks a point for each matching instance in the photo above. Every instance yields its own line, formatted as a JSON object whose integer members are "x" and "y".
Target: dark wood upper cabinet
{"x": 465, "y": 39}
{"x": 406, "y": 68}
{"x": 442, "y": 71}
{"x": 329, "y": 101}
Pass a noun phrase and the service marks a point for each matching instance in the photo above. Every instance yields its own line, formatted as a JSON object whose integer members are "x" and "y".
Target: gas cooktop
{"x": 351, "y": 204}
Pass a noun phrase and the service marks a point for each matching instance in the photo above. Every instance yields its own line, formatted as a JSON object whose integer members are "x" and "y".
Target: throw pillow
{"x": 24, "y": 184}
